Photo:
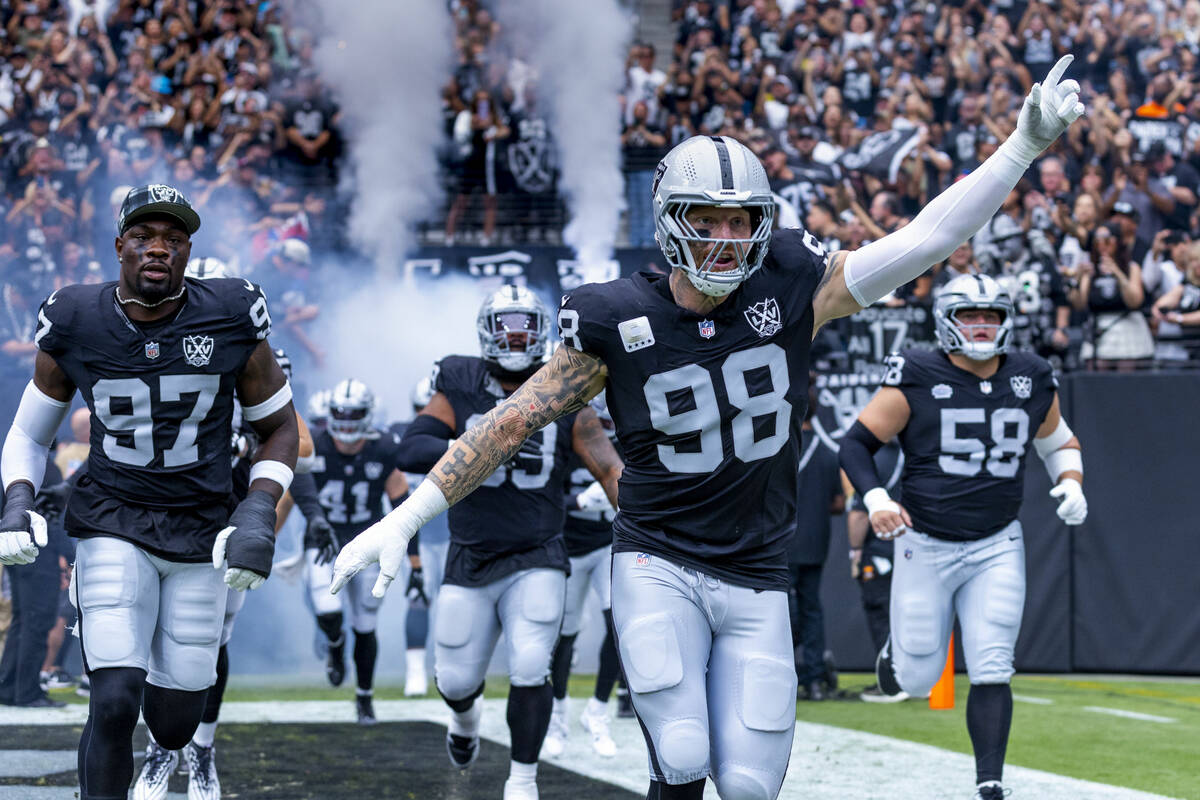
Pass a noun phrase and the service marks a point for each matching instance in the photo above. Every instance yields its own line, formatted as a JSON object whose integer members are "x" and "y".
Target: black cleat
{"x": 885, "y": 675}
{"x": 335, "y": 662}
{"x": 991, "y": 791}
{"x": 366, "y": 709}
{"x": 463, "y": 750}
{"x": 624, "y": 703}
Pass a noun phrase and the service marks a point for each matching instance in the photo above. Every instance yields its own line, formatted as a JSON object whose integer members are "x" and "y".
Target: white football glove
{"x": 385, "y": 542}
{"x": 1072, "y": 505}
{"x": 19, "y": 547}
{"x": 887, "y": 519}
{"x": 235, "y": 577}
{"x": 594, "y": 498}
{"x": 1049, "y": 109}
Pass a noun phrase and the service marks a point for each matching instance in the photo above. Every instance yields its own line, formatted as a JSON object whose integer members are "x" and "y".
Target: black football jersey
{"x": 162, "y": 401}
{"x": 966, "y": 439}
{"x": 514, "y": 520}
{"x": 584, "y": 531}
{"x": 708, "y": 410}
{"x": 351, "y": 487}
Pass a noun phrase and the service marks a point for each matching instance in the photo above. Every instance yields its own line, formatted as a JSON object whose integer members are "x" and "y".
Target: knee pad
{"x": 650, "y": 653}
{"x": 364, "y": 606}
{"x": 319, "y": 579}
{"x": 530, "y": 664}
{"x": 683, "y": 746}
{"x": 738, "y": 782}
{"x": 767, "y": 694}
{"x": 453, "y": 681}
{"x": 1006, "y": 597}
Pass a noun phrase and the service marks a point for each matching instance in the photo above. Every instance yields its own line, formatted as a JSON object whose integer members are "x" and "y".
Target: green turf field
{"x": 1060, "y": 736}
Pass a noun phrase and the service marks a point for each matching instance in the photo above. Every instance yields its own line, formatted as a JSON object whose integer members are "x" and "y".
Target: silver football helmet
{"x": 351, "y": 407}
{"x": 205, "y": 267}
{"x": 972, "y": 291}
{"x": 712, "y": 171}
{"x": 513, "y": 316}
{"x": 318, "y": 407}
{"x": 422, "y": 393}
{"x": 599, "y": 404}
{"x": 285, "y": 363}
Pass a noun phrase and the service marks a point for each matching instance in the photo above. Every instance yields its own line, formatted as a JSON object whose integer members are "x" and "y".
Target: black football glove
{"x": 247, "y": 544}
{"x": 530, "y": 450}
{"x": 22, "y": 530}
{"x": 318, "y": 535}
{"x": 416, "y": 588}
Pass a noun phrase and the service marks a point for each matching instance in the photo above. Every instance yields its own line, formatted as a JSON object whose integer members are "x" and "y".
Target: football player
{"x": 507, "y": 563}
{"x": 355, "y": 469}
{"x": 966, "y": 417}
{"x": 159, "y": 360}
{"x": 199, "y": 755}
{"x": 588, "y": 535}
{"x": 707, "y": 370}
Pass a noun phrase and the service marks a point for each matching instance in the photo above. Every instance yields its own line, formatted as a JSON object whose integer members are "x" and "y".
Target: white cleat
{"x": 594, "y": 720}
{"x": 203, "y": 783}
{"x": 558, "y": 732}
{"x": 518, "y": 789}
{"x": 156, "y": 771}
{"x": 416, "y": 684}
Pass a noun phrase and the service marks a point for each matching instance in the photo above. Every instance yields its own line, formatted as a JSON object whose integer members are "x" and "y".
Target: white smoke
{"x": 578, "y": 49}
{"x": 389, "y": 332}
{"x": 386, "y": 63}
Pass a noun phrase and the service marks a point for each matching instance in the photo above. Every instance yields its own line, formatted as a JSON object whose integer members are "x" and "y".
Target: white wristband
{"x": 1058, "y": 437}
{"x": 273, "y": 471}
{"x": 878, "y": 499}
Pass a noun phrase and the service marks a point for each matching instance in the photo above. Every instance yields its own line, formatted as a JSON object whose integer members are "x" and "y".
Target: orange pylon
{"x": 942, "y": 695}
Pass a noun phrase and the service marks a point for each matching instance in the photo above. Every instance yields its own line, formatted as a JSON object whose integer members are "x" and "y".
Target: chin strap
{"x": 126, "y": 301}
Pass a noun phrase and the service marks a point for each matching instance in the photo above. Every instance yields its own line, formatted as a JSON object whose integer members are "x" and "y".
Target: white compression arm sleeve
{"x": 28, "y": 441}
{"x": 946, "y": 222}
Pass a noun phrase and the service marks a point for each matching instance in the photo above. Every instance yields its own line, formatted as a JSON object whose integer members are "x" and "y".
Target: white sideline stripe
{"x": 1037, "y": 701}
{"x": 1119, "y": 712}
{"x": 827, "y": 763}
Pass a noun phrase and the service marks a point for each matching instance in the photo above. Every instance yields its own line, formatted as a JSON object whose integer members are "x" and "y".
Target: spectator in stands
{"x": 643, "y": 144}
{"x": 487, "y": 128}
{"x": 1176, "y": 314}
{"x": 1110, "y": 289}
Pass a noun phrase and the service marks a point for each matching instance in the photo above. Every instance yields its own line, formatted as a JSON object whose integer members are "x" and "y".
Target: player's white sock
{"x": 205, "y": 733}
{"x": 364, "y": 692}
{"x": 595, "y": 708}
{"x": 466, "y": 723}
{"x": 525, "y": 773}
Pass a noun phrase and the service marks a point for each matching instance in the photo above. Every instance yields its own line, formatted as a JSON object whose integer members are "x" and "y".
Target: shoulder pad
{"x": 58, "y": 314}
{"x": 793, "y": 248}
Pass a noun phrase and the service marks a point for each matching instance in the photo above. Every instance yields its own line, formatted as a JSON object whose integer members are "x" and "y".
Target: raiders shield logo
{"x": 161, "y": 193}
{"x": 373, "y": 469}
{"x": 198, "y": 350}
{"x": 1022, "y": 386}
{"x": 764, "y": 317}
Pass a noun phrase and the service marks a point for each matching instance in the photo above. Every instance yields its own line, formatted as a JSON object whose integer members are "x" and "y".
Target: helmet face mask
{"x": 351, "y": 407}
{"x": 712, "y": 171}
{"x": 514, "y": 329}
{"x": 968, "y": 292}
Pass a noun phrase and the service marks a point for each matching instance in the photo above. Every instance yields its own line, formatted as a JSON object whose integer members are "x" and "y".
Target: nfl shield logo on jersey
{"x": 198, "y": 350}
{"x": 1022, "y": 386}
{"x": 764, "y": 317}
{"x": 152, "y": 350}
{"x": 642, "y": 560}
{"x": 708, "y": 328}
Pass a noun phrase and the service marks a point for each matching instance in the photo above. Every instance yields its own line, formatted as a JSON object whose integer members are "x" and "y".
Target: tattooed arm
{"x": 832, "y": 299}
{"x": 562, "y": 386}
{"x": 592, "y": 445}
